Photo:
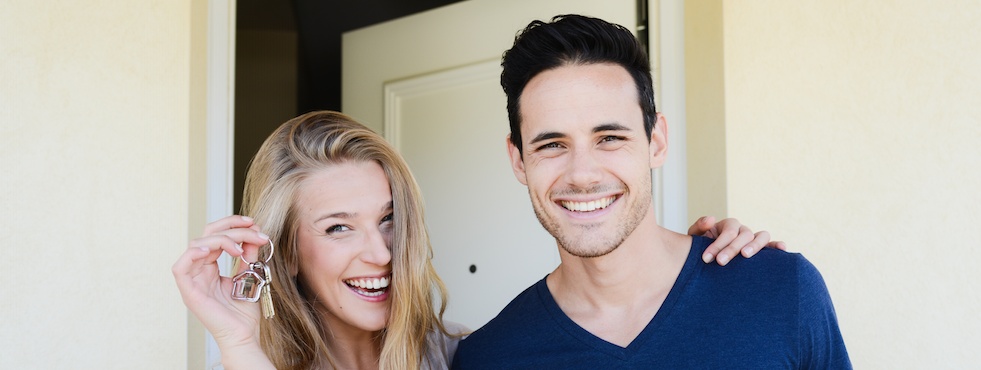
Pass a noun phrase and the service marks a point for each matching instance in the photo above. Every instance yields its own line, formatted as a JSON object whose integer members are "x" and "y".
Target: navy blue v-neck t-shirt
{"x": 771, "y": 311}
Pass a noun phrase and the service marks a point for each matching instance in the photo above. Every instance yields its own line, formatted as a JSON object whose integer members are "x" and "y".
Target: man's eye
{"x": 611, "y": 138}
{"x": 337, "y": 228}
{"x": 552, "y": 145}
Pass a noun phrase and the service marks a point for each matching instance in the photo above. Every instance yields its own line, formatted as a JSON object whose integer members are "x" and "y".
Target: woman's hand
{"x": 731, "y": 238}
{"x": 234, "y": 324}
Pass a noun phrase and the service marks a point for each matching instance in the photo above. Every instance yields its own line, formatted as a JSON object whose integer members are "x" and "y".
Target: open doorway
{"x": 288, "y": 62}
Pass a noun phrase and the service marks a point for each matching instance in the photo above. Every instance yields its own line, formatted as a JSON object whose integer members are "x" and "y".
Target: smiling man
{"x": 628, "y": 293}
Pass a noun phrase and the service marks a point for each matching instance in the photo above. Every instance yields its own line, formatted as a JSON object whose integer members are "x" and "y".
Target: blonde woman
{"x": 353, "y": 286}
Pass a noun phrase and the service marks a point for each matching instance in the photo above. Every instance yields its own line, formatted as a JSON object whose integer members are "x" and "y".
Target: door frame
{"x": 220, "y": 129}
{"x": 666, "y": 42}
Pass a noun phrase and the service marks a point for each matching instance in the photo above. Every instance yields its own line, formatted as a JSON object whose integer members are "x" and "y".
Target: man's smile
{"x": 588, "y": 206}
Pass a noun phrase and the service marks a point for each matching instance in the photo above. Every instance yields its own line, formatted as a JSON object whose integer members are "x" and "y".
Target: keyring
{"x": 272, "y": 249}
{"x": 253, "y": 284}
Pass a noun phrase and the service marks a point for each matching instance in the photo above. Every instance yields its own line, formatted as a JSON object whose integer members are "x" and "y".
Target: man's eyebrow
{"x": 610, "y": 127}
{"x": 548, "y": 135}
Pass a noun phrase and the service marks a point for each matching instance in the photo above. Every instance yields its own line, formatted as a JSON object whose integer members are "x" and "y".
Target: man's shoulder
{"x": 772, "y": 283}
{"x": 509, "y": 333}
{"x": 768, "y": 262}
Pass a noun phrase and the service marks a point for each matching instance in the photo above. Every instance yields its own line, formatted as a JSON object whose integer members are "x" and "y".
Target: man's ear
{"x": 517, "y": 164}
{"x": 659, "y": 142}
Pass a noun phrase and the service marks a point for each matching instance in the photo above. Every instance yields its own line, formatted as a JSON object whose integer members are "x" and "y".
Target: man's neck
{"x": 616, "y": 295}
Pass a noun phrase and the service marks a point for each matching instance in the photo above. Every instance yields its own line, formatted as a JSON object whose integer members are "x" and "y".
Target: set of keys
{"x": 255, "y": 284}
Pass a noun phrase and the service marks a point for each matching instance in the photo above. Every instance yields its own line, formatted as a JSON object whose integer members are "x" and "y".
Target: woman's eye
{"x": 336, "y": 229}
{"x": 386, "y": 223}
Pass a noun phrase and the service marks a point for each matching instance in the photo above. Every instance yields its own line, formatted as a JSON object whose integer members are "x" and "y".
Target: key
{"x": 247, "y": 285}
{"x": 266, "y": 295}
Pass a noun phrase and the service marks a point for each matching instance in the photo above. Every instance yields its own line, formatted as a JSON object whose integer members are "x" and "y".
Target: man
{"x": 628, "y": 293}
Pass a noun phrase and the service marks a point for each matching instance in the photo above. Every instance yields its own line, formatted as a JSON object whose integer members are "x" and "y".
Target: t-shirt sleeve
{"x": 442, "y": 347}
{"x": 821, "y": 343}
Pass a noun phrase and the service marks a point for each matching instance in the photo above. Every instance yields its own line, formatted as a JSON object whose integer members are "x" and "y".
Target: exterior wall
{"x": 706, "y": 109}
{"x": 95, "y": 118}
{"x": 851, "y": 132}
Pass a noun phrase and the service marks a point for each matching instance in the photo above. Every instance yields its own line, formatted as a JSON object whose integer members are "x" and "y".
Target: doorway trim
{"x": 667, "y": 45}
{"x": 220, "y": 132}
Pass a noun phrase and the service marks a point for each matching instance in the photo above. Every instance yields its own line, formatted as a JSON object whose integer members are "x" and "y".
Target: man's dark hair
{"x": 573, "y": 40}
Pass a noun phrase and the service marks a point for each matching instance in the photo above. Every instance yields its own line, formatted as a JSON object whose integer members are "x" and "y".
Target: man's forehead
{"x": 580, "y": 98}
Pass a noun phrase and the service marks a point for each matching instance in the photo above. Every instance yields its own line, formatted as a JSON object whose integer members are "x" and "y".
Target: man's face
{"x": 587, "y": 158}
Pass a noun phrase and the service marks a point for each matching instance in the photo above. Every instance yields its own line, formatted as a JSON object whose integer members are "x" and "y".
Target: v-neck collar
{"x": 663, "y": 313}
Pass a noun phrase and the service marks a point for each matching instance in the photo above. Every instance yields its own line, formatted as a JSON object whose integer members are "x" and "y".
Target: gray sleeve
{"x": 440, "y": 347}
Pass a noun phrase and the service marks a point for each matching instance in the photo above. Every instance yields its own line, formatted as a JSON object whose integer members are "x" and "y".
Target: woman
{"x": 352, "y": 284}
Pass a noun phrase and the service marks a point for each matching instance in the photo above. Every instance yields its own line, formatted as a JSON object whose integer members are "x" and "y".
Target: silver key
{"x": 266, "y": 294}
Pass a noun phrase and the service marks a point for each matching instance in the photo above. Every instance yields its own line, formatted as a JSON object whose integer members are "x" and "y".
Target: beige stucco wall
{"x": 852, "y": 132}
{"x": 97, "y": 178}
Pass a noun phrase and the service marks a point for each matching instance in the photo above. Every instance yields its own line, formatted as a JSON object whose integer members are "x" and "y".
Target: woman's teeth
{"x": 588, "y": 206}
{"x": 373, "y": 283}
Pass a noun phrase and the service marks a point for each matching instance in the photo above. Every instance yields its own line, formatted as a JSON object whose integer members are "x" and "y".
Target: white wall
{"x": 95, "y": 119}
{"x": 852, "y": 132}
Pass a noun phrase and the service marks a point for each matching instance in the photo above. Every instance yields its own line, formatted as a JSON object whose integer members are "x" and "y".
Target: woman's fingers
{"x": 735, "y": 238}
{"x": 778, "y": 245}
{"x": 226, "y": 223}
{"x": 202, "y": 253}
{"x": 247, "y": 235}
{"x": 702, "y": 226}
{"x": 725, "y": 232}
{"x": 743, "y": 235}
{"x": 759, "y": 241}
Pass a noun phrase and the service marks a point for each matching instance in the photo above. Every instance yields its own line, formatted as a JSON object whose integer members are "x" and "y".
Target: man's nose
{"x": 584, "y": 169}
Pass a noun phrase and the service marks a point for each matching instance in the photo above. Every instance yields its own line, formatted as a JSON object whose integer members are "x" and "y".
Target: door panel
{"x": 430, "y": 83}
{"x": 479, "y": 215}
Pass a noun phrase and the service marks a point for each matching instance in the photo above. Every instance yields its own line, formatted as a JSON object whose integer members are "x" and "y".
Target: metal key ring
{"x": 272, "y": 249}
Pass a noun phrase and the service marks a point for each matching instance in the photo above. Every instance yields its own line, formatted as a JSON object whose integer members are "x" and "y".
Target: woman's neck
{"x": 352, "y": 347}
{"x": 360, "y": 352}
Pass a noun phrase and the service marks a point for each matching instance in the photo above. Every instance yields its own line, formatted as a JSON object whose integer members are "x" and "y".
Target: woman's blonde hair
{"x": 296, "y": 337}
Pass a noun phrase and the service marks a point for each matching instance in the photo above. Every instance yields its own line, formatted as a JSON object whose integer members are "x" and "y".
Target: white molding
{"x": 396, "y": 91}
{"x": 667, "y": 35}
{"x": 220, "y": 130}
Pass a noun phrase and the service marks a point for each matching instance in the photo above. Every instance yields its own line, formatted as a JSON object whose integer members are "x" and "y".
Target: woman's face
{"x": 345, "y": 215}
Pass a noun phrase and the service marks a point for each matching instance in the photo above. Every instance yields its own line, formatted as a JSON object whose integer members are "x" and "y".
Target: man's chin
{"x": 583, "y": 249}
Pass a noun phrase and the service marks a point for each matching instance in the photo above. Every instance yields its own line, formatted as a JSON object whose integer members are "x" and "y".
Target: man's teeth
{"x": 375, "y": 283}
{"x": 588, "y": 206}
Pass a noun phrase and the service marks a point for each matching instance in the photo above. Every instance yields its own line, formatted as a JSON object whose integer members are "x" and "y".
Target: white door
{"x": 430, "y": 83}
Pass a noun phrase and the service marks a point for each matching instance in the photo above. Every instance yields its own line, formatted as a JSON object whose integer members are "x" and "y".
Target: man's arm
{"x": 821, "y": 343}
